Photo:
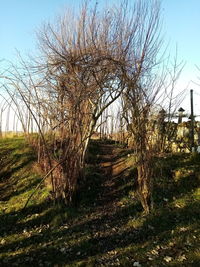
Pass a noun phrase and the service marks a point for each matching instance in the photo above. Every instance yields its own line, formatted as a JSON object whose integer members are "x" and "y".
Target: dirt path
{"x": 114, "y": 171}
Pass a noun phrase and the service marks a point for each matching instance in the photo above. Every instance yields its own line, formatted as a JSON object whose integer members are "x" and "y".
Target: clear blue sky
{"x": 20, "y": 18}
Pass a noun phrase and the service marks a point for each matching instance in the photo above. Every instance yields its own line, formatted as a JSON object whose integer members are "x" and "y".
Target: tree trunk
{"x": 144, "y": 180}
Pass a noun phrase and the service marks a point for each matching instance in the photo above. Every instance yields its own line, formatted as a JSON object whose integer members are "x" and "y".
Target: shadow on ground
{"x": 107, "y": 226}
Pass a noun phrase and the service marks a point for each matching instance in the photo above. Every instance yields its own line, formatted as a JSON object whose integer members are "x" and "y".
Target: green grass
{"x": 107, "y": 226}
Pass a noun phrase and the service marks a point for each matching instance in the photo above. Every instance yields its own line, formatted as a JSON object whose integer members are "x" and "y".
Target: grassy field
{"x": 106, "y": 227}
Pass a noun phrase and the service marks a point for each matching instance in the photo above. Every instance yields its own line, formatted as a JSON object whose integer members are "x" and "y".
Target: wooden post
{"x": 192, "y": 120}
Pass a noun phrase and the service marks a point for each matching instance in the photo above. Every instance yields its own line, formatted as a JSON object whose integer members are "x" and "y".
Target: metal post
{"x": 192, "y": 120}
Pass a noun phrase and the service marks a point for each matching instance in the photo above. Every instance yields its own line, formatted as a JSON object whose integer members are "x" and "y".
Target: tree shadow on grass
{"x": 11, "y": 221}
{"x": 57, "y": 238}
{"x": 168, "y": 187}
{"x": 81, "y": 242}
{"x": 94, "y": 232}
{"x": 15, "y": 165}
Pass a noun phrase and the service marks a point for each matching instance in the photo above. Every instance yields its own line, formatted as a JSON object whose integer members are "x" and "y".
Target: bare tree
{"x": 86, "y": 62}
{"x": 81, "y": 63}
{"x": 150, "y": 128}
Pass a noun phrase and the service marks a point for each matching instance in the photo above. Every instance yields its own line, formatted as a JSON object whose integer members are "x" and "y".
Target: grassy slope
{"x": 107, "y": 227}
